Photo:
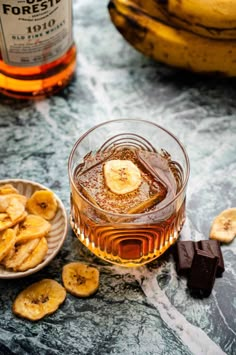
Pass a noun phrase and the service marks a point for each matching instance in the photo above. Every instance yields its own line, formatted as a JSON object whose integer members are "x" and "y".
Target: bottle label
{"x": 34, "y": 32}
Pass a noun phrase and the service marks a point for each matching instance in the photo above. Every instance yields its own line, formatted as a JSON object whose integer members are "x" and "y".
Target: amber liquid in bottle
{"x": 37, "y": 54}
{"x": 38, "y": 81}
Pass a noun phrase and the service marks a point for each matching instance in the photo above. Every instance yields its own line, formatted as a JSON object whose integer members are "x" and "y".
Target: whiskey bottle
{"x": 37, "y": 51}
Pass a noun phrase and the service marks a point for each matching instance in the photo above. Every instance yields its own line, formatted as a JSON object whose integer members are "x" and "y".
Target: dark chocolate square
{"x": 202, "y": 273}
{"x": 213, "y": 247}
{"x": 184, "y": 256}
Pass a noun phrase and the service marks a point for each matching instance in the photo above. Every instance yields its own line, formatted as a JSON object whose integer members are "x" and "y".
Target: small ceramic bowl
{"x": 56, "y": 236}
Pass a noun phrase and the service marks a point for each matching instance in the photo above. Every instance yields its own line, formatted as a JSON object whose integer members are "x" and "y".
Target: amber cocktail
{"x": 128, "y": 183}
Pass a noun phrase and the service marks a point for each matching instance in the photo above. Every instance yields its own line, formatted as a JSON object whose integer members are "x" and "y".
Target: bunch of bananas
{"x": 197, "y": 35}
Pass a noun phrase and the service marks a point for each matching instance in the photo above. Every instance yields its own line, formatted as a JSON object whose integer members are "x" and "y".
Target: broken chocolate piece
{"x": 185, "y": 253}
{"x": 202, "y": 274}
{"x": 213, "y": 247}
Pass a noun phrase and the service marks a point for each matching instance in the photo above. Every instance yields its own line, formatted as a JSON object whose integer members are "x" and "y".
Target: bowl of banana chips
{"x": 33, "y": 227}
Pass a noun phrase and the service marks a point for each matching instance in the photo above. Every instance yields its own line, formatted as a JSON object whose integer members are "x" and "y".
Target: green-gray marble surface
{"x": 140, "y": 311}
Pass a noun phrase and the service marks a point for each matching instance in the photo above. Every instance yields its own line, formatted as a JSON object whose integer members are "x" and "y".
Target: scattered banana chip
{"x": 36, "y": 257}
{"x": 39, "y": 300}
{"x": 122, "y": 176}
{"x": 32, "y": 227}
{"x": 43, "y": 203}
{"x": 223, "y": 227}
{"x": 7, "y": 242}
{"x": 80, "y": 280}
{"x": 8, "y": 189}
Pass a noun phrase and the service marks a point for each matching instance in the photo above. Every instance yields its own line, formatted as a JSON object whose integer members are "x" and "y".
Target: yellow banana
{"x": 170, "y": 14}
{"x": 172, "y": 46}
{"x": 218, "y": 14}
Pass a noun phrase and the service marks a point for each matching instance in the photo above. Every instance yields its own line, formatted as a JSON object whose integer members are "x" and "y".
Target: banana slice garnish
{"x": 224, "y": 226}
{"x": 122, "y": 176}
{"x": 43, "y": 203}
{"x": 39, "y": 300}
{"x": 32, "y": 227}
{"x": 80, "y": 280}
{"x": 7, "y": 242}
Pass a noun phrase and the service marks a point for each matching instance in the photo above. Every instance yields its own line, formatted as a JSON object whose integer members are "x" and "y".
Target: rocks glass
{"x": 128, "y": 213}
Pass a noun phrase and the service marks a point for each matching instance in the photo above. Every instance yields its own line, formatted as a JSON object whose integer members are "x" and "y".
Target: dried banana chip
{"x": 3, "y": 216}
{"x": 39, "y": 300}
{"x": 15, "y": 209}
{"x": 8, "y": 223}
{"x": 224, "y": 226}
{"x": 80, "y": 280}
{"x": 43, "y": 203}
{"x": 32, "y": 227}
{"x": 29, "y": 246}
{"x": 20, "y": 253}
{"x": 8, "y": 189}
{"x": 5, "y": 200}
{"x": 17, "y": 226}
{"x": 7, "y": 241}
{"x": 12, "y": 210}
{"x": 36, "y": 257}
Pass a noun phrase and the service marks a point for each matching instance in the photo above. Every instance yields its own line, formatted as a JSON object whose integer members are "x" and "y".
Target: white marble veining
{"x": 144, "y": 311}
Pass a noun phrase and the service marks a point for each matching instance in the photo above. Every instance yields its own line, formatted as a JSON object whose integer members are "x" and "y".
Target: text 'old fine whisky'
{"x": 37, "y": 51}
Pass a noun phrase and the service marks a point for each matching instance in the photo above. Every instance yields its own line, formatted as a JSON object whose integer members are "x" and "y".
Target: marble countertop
{"x": 138, "y": 311}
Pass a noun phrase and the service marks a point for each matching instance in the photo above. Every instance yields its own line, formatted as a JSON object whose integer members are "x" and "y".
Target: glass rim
{"x": 128, "y": 215}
